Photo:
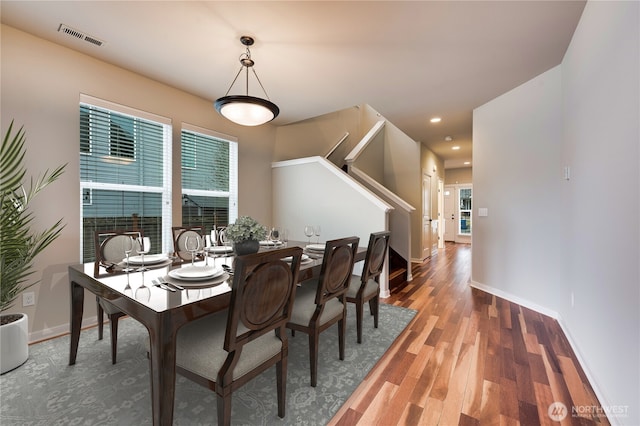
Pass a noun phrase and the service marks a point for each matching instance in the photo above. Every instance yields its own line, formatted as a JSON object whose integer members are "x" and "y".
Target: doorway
{"x": 449, "y": 221}
{"x": 458, "y": 213}
{"x": 429, "y": 224}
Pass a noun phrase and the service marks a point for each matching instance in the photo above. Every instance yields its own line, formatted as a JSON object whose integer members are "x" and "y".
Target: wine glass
{"x": 316, "y": 231}
{"x": 143, "y": 293}
{"x": 144, "y": 245}
{"x": 223, "y": 238}
{"x": 308, "y": 231}
{"x": 192, "y": 244}
{"x": 206, "y": 243}
{"x": 214, "y": 237}
{"x": 127, "y": 246}
{"x": 128, "y": 291}
{"x": 275, "y": 234}
{"x": 285, "y": 236}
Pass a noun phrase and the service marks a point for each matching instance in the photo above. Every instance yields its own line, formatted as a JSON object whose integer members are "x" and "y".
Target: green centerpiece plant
{"x": 19, "y": 242}
{"x": 246, "y": 234}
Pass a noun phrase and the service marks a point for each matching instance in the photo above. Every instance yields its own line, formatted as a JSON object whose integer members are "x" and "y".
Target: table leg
{"x": 77, "y": 307}
{"x": 162, "y": 353}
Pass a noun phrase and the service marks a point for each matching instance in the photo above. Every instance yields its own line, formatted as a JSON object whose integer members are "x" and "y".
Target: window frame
{"x": 232, "y": 193}
{"x": 165, "y": 190}
{"x": 461, "y": 210}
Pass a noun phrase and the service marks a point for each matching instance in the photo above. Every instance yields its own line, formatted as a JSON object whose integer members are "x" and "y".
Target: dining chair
{"x": 109, "y": 250}
{"x": 180, "y": 235}
{"x": 226, "y": 350}
{"x": 320, "y": 302}
{"x": 366, "y": 287}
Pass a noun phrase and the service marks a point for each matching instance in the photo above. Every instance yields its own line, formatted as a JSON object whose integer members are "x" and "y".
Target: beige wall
{"x": 41, "y": 85}
{"x": 371, "y": 159}
{"x": 393, "y": 159}
{"x": 434, "y": 166}
{"x": 318, "y": 135}
{"x": 458, "y": 176}
{"x": 402, "y": 175}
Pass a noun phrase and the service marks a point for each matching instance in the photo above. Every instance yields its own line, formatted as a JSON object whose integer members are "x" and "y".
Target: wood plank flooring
{"x": 469, "y": 358}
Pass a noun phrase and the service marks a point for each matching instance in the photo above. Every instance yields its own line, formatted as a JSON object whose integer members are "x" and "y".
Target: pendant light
{"x": 244, "y": 109}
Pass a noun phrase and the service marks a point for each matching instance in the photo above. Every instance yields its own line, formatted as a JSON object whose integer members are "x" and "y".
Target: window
{"x": 464, "y": 213}
{"x": 125, "y": 173}
{"x": 209, "y": 177}
{"x": 121, "y": 134}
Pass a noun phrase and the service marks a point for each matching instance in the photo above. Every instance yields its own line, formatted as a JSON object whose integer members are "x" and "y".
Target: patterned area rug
{"x": 47, "y": 391}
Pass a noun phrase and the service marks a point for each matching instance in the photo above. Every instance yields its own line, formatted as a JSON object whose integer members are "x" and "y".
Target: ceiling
{"x": 410, "y": 61}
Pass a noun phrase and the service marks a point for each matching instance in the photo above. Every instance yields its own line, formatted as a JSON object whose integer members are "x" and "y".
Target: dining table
{"x": 164, "y": 312}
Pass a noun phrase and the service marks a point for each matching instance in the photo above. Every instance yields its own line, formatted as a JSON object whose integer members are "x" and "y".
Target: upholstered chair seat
{"x": 370, "y": 289}
{"x": 305, "y": 305}
{"x": 199, "y": 348}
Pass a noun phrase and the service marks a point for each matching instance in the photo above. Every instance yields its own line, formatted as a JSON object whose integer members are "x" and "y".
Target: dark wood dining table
{"x": 163, "y": 313}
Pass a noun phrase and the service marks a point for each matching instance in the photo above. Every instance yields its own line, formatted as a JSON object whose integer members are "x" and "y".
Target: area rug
{"x": 47, "y": 391}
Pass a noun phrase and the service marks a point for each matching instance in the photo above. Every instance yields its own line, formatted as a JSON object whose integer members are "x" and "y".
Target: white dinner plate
{"x": 315, "y": 247}
{"x": 270, "y": 243}
{"x": 196, "y": 273}
{"x": 220, "y": 249}
{"x": 303, "y": 258}
{"x": 209, "y": 282}
{"x": 149, "y": 259}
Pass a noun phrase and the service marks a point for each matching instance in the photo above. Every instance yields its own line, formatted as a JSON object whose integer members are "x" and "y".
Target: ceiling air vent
{"x": 79, "y": 35}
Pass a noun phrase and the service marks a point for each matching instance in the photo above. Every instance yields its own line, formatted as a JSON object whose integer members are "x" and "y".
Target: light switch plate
{"x": 483, "y": 211}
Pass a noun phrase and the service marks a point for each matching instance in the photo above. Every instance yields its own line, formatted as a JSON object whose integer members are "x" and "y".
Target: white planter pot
{"x": 14, "y": 344}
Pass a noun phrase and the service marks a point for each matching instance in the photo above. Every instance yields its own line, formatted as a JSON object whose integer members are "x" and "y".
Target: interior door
{"x": 426, "y": 216}
{"x": 449, "y": 219}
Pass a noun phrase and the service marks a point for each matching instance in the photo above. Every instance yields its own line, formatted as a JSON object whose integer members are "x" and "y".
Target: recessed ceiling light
{"x": 455, "y": 148}
{"x": 466, "y": 163}
{"x": 448, "y": 138}
{"x": 436, "y": 119}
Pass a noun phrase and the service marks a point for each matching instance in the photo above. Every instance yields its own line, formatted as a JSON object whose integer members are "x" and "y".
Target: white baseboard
{"x": 60, "y": 330}
{"x": 604, "y": 402}
{"x": 515, "y": 299}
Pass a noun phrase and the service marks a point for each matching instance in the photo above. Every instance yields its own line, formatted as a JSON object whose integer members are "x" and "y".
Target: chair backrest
{"x": 109, "y": 248}
{"x": 262, "y": 295}
{"x": 180, "y": 234}
{"x": 337, "y": 267}
{"x": 376, "y": 255}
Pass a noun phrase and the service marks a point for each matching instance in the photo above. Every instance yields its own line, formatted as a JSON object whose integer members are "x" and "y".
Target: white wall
{"x": 41, "y": 86}
{"x": 517, "y": 177}
{"x": 313, "y": 191}
{"x": 601, "y": 75}
{"x": 547, "y": 239}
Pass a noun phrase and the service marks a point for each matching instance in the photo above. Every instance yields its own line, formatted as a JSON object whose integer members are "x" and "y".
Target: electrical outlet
{"x": 28, "y": 299}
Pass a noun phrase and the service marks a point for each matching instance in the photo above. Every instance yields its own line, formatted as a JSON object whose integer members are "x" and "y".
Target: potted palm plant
{"x": 19, "y": 243}
{"x": 246, "y": 234}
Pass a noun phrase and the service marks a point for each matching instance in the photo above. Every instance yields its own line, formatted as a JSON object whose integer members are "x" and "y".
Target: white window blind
{"x": 125, "y": 173}
{"x": 209, "y": 177}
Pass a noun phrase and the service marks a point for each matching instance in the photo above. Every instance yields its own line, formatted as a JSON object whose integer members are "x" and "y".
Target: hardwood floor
{"x": 469, "y": 358}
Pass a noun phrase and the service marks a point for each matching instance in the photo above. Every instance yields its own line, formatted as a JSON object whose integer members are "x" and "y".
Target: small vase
{"x": 246, "y": 247}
